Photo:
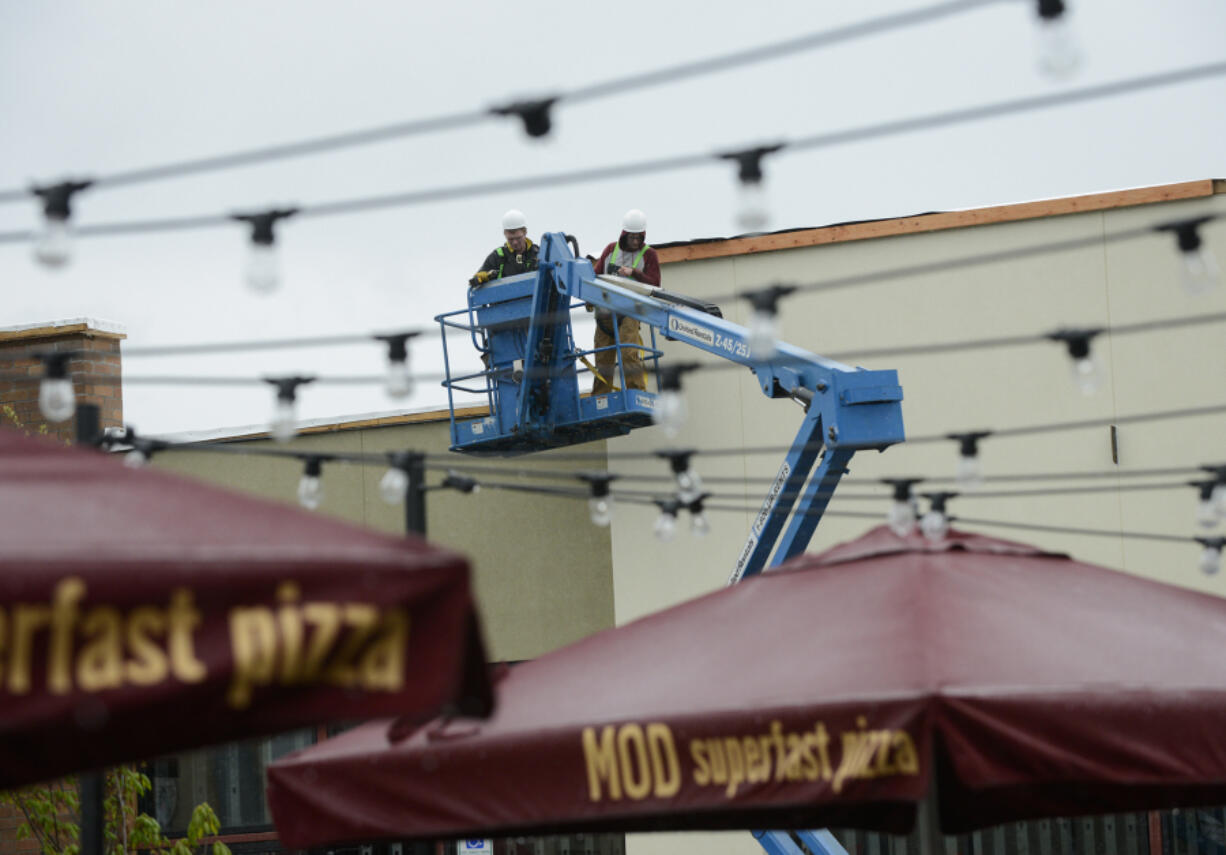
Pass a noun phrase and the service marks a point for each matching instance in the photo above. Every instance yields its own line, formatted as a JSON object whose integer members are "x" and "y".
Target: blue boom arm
{"x": 847, "y": 409}
{"x": 523, "y": 327}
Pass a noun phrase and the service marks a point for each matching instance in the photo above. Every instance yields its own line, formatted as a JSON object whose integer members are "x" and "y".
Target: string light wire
{"x": 436, "y": 462}
{"x": 1154, "y": 536}
{"x": 1048, "y": 427}
{"x": 1020, "y": 340}
{"x": 668, "y": 164}
{"x": 1060, "y": 529}
{"x": 974, "y": 344}
{"x": 648, "y": 498}
{"x": 1039, "y": 527}
{"x": 452, "y": 121}
{"x": 637, "y": 497}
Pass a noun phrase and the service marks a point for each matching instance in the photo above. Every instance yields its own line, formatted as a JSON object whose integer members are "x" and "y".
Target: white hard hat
{"x": 514, "y": 219}
{"x": 634, "y": 221}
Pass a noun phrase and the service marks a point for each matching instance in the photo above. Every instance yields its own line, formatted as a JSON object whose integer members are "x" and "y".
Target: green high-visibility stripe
{"x": 617, "y": 251}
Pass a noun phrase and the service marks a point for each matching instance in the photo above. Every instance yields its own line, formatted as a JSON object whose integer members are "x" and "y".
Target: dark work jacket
{"x": 504, "y": 261}
{"x": 647, "y": 271}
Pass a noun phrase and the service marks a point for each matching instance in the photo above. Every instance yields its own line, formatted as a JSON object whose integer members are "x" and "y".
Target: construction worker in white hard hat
{"x": 631, "y": 257}
{"x": 518, "y": 255}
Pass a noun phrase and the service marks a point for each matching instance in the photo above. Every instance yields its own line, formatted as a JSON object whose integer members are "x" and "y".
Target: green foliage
{"x": 204, "y": 822}
{"x": 51, "y": 815}
{"x": 8, "y": 414}
{"x": 48, "y": 815}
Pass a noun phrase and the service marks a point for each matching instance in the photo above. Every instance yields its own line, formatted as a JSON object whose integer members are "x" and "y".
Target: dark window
{"x": 229, "y": 777}
{"x": 1110, "y": 834}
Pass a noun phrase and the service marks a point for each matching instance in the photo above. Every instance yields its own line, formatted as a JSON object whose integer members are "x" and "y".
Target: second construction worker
{"x": 518, "y": 255}
{"x": 631, "y": 257}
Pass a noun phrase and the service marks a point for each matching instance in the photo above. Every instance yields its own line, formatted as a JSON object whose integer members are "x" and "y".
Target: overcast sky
{"x": 92, "y": 88}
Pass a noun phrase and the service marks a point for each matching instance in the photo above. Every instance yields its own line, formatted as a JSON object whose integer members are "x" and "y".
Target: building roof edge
{"x": 703, "y": 248}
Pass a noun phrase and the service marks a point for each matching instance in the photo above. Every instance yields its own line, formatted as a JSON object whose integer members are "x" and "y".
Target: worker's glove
{"x": 482, "y": 277}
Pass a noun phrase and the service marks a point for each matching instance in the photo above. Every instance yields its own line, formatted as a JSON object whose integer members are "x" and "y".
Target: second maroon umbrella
{"x": 832, "y": 692}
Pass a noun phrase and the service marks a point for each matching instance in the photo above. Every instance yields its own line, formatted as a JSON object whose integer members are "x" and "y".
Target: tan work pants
{"x": 606, "y": 360}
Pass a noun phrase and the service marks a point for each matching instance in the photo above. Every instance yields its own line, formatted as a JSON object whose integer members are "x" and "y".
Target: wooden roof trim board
{"x": 695, "y": 251}
{"x": 406, "y": 419}
{"x": 378, "y": 422}
{"x": 34, "y": 333}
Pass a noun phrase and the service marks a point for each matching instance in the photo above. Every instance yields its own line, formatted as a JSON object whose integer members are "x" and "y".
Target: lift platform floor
{"x": 600, "y": 417}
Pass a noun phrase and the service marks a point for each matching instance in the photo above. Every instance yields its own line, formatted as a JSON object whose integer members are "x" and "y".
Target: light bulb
{"x": 1210, "y": 560}
{"x": 666, "y": 526}
{"x": 393, "y": 485}
{"x": 1207, "y": 515}
{"x": 135, "y": 459}
{"x": 263, "y": 271}
{"x": 55, "y": 399}
{"x": 669, "y": 412}
{"x": 1218, "y": 497}
{"x": 689, "y": 486}
{"x": 1200, "y": 272}
{"x": 600, "y": 510}
{"x": 700, "y": 526}
{"x": 1059, "y": 54}
{"x": 310, "y": 491}
{"x": 54, "y": 245}
{"x": 1087, "y": 374}
{"x": 398, "y": 383}
{"x": 901, "y": 518}
{"x": 751, "y": 209}
{"x": 763, "y": 334}
{"x": 934, "y": 525}
{"x": 284, "y": 421}
{"x": 968, "y": 472}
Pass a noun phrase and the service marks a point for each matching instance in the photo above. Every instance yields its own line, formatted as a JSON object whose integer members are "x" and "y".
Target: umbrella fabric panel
{"x": 98, "y": 673}
{"x": 639, "y": 686}
{"x": 1024, "y": 758}
{"x": 708, "y": 772}
{"x": 112, "y": 650}
{"x": 1011, "y": 624}
{"x": 1060, "y": 687}
{"x": 1029, "y": 684}
{"x": 763, "y": 644}
{"x": 59, "y": 500}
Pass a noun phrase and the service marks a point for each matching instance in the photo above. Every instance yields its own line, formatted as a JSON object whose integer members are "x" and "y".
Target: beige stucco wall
{"x": 543, "y": 573}
{"x": 1116, "y": 283}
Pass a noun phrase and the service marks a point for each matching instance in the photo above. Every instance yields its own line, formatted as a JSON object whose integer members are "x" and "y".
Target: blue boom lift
{"x": 522, "y": 327}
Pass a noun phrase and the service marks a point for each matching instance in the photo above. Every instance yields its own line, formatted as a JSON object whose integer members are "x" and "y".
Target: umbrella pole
{"x": 91, "y": 813}
{"x": 415, "y": 495}
{"x": 932, "y": 842}
{"x": 88, "y": 429}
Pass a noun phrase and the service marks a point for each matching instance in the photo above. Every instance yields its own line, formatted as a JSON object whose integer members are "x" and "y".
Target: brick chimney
{"x": 95, "y": 345}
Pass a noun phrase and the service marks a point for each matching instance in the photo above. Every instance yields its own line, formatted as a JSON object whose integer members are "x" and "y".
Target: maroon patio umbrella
{"x": 142, "y": 613}
{"x": 831, "y": 692}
